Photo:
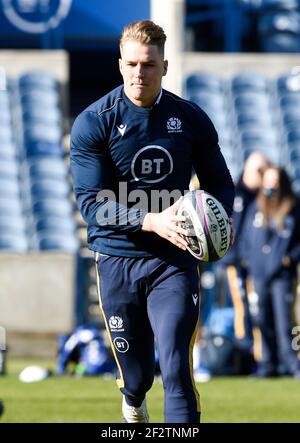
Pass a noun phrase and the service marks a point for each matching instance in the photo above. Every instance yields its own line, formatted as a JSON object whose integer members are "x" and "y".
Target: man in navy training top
{"x": 132, "y": 154}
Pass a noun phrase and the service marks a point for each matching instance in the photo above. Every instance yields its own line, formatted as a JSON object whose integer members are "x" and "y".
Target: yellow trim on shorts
{"x": 192, "y": 342}
{"x": 239, "y": 311}
{"x": 120, "y": 381}
{"x": 257, "y": 339}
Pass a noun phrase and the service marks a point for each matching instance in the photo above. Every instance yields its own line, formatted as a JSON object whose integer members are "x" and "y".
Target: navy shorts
{"x": 147, "y": 299}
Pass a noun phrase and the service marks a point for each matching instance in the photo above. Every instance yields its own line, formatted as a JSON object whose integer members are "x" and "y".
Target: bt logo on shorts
{"x": 121, "y": 344}
{"x": 116, "y": 323}
{"x": 151, "y": 164}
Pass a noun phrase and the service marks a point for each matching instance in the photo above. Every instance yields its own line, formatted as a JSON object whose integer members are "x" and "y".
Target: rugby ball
{"x": 208, "y": 225}
{"x": 33, "y": 373}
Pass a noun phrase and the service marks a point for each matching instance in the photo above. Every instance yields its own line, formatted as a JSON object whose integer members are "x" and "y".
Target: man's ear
{"x": 165, "y": 67}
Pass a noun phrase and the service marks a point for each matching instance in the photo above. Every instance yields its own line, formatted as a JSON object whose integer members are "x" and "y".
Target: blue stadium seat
{"x": 37, "y": 79}
{"x": 290, "y": 99}
{"x": 255, "y": 131}
{"x": 38, "y": 114}
{"x": 5, "y": 117}
{"x": 260, "y": 144}
{"x": 10, "y": 206}
{"x": 281, "y": 42}
{"x": 53, "y": 206}
{"x": 40, "y": 98}
{"x": 47, "y": 168}
{"x": 4, "y": 109}
{"x": 272, "y": 152}
{"x": 294, "y": 151}
{"x": 293, "y": 135}
{"x": 247, "y": 118}
{"x": 291, "y": 116}
{"x": 11, "y": 224}
{"x": 252, "y": 100}
{"x": 63, "y": 243}
{"x": 204, "y": 81}
{"x": 8, "y": 168}
{"x": 249, "y": 82}
{"x": 13, "y": 243}
{"x": 232, "y": 156}
{"x": 39, "y": 132}
{"x": 43, "y": 148}
{"x": 7, "y": 151}
{"x": 55, "y": 224}
{"x": 289, "y": 83}
{"x": 9, "y": 186}
{"x": 44, "y": 187}
{"x": 39, "y": 204}
{"x": 4, "y": 100}
{"x": 225, "y": 136}
{"x": 252, "y": 117}
{"x": 259, "y": 136}
{"x": 219, "y": 119}
{"x": 5, "y": 134}
{"x": 207, "y": 100}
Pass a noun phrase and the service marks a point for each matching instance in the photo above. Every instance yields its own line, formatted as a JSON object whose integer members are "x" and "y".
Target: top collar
{"x": 158, "y": 98}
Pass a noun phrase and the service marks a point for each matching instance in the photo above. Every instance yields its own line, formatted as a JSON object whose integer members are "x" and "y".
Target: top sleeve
{"x": 210, "y": 165}
{"x": 94, "y": 179}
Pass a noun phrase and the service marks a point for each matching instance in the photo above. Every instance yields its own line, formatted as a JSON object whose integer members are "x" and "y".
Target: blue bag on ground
{"x": 84, "y": 353}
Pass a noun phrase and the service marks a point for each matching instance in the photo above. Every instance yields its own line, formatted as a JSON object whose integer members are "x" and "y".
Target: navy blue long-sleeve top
{"x": 135, "y": 152}
{"x": 263, "y": 247}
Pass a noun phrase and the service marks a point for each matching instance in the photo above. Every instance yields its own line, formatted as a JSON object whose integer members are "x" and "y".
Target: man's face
{"x": 142, "y": 68}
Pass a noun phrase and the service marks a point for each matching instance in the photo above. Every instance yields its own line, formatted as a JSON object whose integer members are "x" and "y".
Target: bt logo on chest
{"x": 151, "y": 164}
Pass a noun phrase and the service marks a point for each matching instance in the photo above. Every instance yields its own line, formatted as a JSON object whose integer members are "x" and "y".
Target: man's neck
{"x": 149, "y": 104}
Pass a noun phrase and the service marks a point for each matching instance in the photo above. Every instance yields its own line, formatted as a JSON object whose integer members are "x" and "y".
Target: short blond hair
{"x": 146, "y": 32}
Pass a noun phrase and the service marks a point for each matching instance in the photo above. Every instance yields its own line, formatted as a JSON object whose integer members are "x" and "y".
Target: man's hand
{"x": 165, "y": 224}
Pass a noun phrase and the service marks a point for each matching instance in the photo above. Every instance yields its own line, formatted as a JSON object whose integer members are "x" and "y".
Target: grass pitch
{"x": 95, "y": 399}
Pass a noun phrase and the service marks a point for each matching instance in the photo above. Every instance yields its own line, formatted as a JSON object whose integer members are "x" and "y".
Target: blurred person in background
{"x": 247, "y": 188}
{"x": 271, "y": 247}
{"x": 230, "y": 279}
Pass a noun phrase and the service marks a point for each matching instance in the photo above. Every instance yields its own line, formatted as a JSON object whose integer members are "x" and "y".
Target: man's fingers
{"x": 178, "y": 218}
{"x": 181, "y": 244}
{"x": 183, "y": 231}
{"x": 177, "y": 240}
{"x": 180, "y": 230}
{"x": 176, "y": 205}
